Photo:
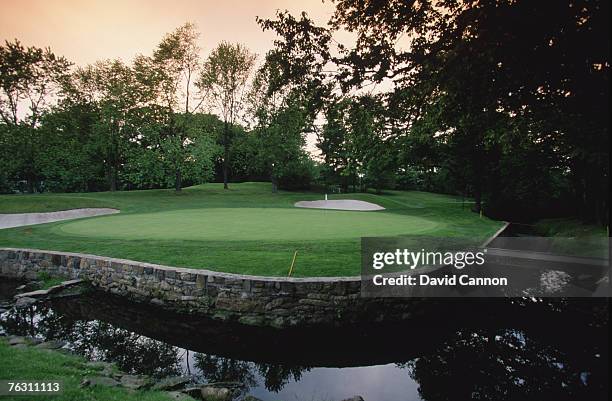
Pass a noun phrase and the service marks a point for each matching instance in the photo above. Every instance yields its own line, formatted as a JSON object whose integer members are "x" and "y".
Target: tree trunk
{"x": 344, "y": 184}
{"x": 225, "y": 172}
{"x": 31, "y": 184}
{"x": 113, "y": 161}
{"x": 178, "y": 180}
{"x": 274, "y": 181}
{"x": 113, "y": 182}
{"x": 112, "y": 178}
{"x": 477, "y": 198}
{"x": 226, "y": 156}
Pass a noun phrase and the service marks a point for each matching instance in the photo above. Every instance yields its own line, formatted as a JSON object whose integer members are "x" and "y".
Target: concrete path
{"x": 341, "y": 204}
{"x": 28, "y": 219}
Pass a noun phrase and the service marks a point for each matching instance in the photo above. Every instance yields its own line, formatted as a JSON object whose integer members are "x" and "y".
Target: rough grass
{"x": 47, "y": 203}
{"x": 48, "y": 281}
{"x": 573, "y": 237}
{"x": 246, "y": 229}
{"x": 35, "y": 364}
{"x": 564, "y": 227}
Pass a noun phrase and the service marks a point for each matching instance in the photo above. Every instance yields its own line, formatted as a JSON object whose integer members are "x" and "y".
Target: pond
{"x": 459, "y": 349}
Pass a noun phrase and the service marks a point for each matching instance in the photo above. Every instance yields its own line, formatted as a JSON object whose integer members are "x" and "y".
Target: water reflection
{"x": 220, "y": 369}
{"x": 493, "y": 350}
{"x": 509, "y": 365}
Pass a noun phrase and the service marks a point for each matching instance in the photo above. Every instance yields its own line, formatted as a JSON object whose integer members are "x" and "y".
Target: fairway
{"x": 238, "y": 224}
{"x": 246, "y": 229}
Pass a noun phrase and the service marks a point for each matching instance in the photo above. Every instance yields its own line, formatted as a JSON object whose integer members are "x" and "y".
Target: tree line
{"x": 168, "y": 119}
{"x": 503, "y": 101}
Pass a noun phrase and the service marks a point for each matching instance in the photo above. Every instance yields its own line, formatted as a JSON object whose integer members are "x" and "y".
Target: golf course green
{"x": 247, "y": 229}
{"x": 249, "y": 224}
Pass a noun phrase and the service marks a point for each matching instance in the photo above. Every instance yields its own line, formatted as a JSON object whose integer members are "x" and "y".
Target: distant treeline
{"x": 506, "y": 102}
{"x": 117, "y": 126}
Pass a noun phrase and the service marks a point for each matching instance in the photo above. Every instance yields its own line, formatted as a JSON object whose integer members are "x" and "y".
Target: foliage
{"x": 469, "y": 70}
{"x": 503, "y": 101}
{"x": 30, "y": 78}
{"x": 224, "y": 79}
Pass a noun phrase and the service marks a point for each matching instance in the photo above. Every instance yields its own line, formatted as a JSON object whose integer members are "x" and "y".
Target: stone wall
{"x": 252, "y": 300}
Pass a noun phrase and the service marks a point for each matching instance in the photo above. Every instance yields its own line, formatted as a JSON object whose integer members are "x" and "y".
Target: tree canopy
{"x": 504, "y": 101}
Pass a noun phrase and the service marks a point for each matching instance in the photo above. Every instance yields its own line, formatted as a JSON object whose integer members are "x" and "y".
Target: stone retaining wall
{"x": 253, "y": 300}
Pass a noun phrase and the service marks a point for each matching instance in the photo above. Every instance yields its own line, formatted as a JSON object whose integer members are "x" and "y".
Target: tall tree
{"x": 174, "y": 70}
{"x": 111, "y": 86}
{"x": 31, "y": 80}
{"x": 295, "y": 86}
{"x": 370, "y": 144}
{"x": 224, "y": 79}
{"x": 476, "y": 64}
{"x": 333, "y": 142}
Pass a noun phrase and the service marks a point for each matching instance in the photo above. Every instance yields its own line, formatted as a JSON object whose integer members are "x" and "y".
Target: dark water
{"x": 456, "y": 350}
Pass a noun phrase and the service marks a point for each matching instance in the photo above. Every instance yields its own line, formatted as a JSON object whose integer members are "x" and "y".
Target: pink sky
{"x": 85, "y": 31}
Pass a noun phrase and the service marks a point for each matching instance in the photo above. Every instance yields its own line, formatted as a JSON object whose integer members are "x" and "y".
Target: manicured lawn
{"x": 246, "y": 229}
{"x": 249, "y": 224}
{"x": 34, "y": 364}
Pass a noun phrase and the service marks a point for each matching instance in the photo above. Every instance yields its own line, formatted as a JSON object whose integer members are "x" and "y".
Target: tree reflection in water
{"x": 532, "y": 356}
{"x": 134, "y": 353}
{"x": 219, "y": 369}
{"x": 508, "y": 365}
{"x": 97, "y": 340}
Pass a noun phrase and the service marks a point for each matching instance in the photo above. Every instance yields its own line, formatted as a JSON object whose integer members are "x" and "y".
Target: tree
{"x": 293, "y": 87}
{"x": 70, "y": 157}
{"x": 369, "y": 142}
{"x": 31, "y": 80}
{"x": 282, "y": 141}
{"x": 333, "y": 141}
{"x": 173, "y": 71}
{"x": 224, "y": 79}
{"x": 111, "y": 86}
{"x": 283, "y": 116}
{"x": 479, "y": 64}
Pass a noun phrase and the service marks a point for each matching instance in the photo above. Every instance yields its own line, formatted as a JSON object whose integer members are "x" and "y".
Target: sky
{"x": 85, "y": 31}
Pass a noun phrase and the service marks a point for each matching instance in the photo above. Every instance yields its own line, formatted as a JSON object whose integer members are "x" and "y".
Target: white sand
{"x": 340, "y": 204}
{"x": 28, "y": 219}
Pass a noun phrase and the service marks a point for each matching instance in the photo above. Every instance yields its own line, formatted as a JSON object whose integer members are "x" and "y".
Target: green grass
{"x": 48, "y": 281}
{"x": 246, "y": 229}
{"x": 564, "y": 227}
{"x": 36, "y": 364}
{"x": 573, "y": 237}
{"x": 48, "y": 203}
{"x": 248, "y": 224}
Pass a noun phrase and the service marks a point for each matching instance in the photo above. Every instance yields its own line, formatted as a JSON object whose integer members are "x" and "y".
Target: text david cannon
{"x": 425, "y": 280}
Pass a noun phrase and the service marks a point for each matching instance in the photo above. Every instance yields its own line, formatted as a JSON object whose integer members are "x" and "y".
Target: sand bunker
{"x": 28, "y": 219}
{"x": 340, "y": 204}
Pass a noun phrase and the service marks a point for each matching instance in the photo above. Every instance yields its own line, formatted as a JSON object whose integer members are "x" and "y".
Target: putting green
{"x": 236, "y": 224}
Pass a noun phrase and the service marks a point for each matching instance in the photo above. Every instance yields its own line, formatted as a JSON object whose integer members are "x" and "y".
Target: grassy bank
{"x": 30, "y": 363}
{"x": 573, "y": 237}
{"x": 246, "y": 229}
{"x": 566, "y": 227}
